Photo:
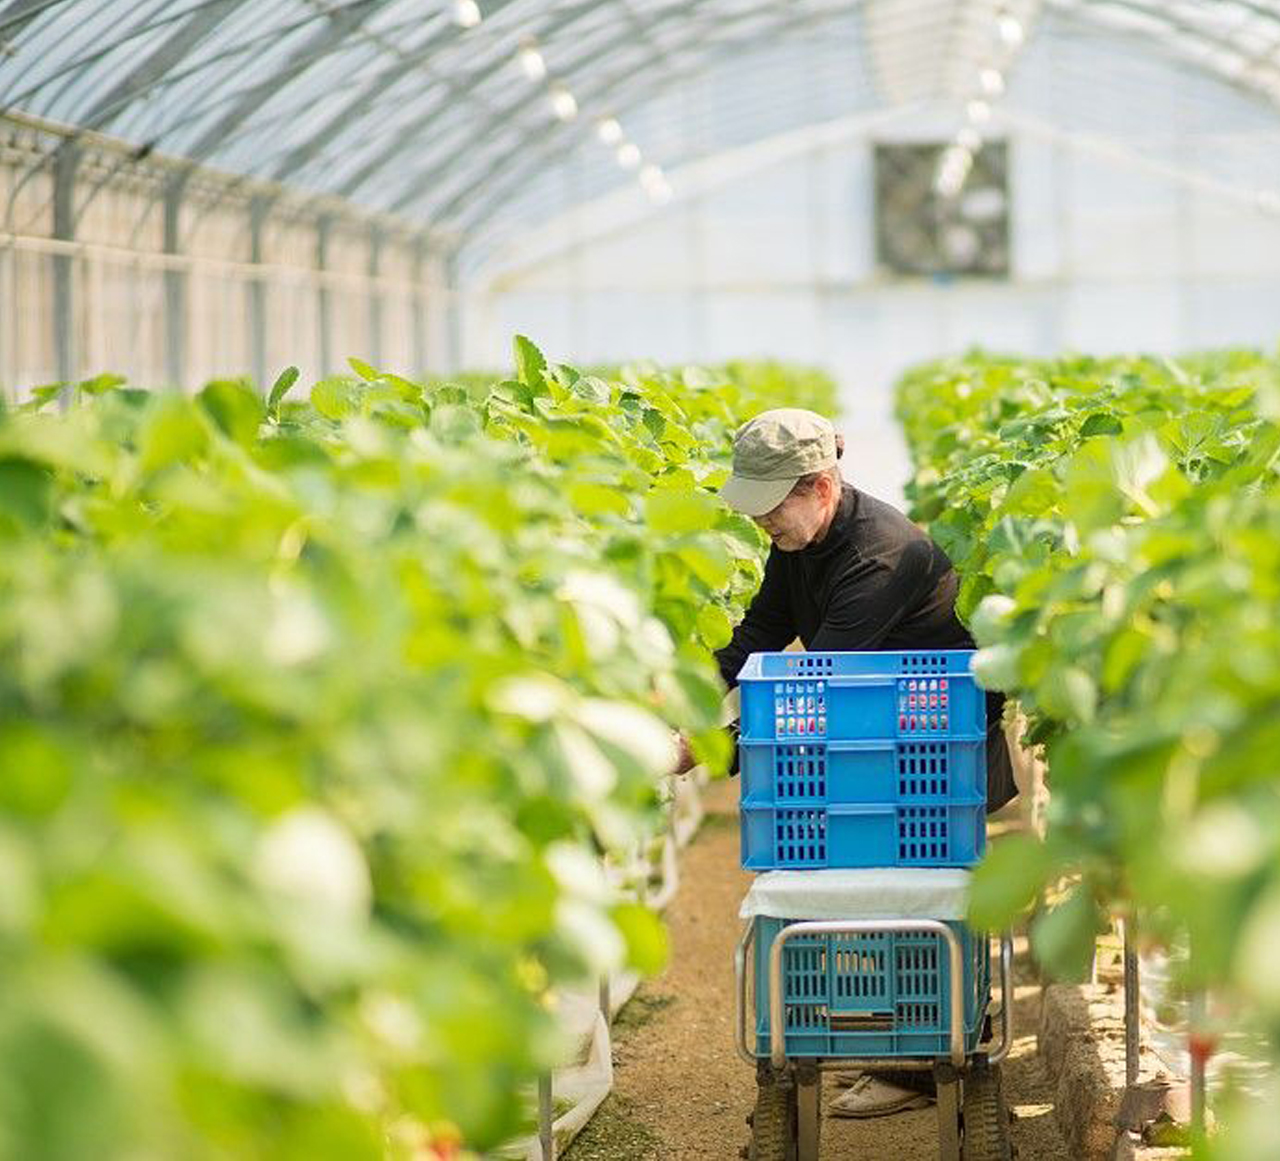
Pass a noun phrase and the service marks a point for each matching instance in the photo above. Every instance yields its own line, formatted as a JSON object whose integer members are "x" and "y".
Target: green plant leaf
{"x": 280, "y": 388}
{"x": 1063, "y": 938}
{"x": 996, "y": 667}
{"x": 530, "y": 364}
{"x": 100, "y": 384}
{"x": 1007, "y": 881}
{"x": 334, "y": 398}
{"x": 992, "y": 617}
{"x": 714, "y": 627}
{"x": 648, "y": 948}
{"x": 235, "y": 408}
{"x": 1101, "y": 423}
{"x": 594, "y": 499}
{"x": 171, "y": 432}
{"x": 670, "y": 511}
{"x": 1070, "y": 693}
{"x": 48, "y": 393}
{"x": 326, "y": 728}
{"x": 26, "y": 492}
{"x": 709, "y": 559}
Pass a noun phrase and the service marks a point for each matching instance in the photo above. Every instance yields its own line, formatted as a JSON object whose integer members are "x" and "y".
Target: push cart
{"x": 873, "y": 994}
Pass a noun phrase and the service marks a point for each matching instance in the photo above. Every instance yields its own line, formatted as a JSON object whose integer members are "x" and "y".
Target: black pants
{"x": 1001, "y": 788}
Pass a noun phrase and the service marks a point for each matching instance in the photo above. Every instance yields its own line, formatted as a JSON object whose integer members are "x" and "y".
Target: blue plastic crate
{"x": 876, "y": 995}
{"x": 914, "y": 695}
{"x": 808, "y": 836}
{"x": 871, "y": 772}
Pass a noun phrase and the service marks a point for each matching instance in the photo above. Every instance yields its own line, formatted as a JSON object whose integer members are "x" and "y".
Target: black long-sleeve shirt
{"x": 875, "y": 581}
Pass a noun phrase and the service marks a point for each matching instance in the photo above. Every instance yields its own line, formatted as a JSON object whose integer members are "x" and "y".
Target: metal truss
{"x": 391, "y": 105}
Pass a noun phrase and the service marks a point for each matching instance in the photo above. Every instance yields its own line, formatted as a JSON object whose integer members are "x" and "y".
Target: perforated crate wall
{"x": 924, "y": 769}
{"x": 913, "y": 694}
{"x": 883, "y": 994}
{"x": 879, "y": 771}
{"x": 777, "y": 837}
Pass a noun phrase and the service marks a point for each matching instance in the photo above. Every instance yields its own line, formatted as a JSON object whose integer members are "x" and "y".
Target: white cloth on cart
{"x": 863, "y": 893}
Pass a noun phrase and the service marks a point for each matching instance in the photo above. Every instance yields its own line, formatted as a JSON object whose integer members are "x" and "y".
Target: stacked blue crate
{"x": 880, "y": 994}
{"x": 861, "y": 760}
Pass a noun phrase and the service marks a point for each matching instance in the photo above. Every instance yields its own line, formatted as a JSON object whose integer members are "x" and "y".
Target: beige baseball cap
{"x": 771, "y": 452}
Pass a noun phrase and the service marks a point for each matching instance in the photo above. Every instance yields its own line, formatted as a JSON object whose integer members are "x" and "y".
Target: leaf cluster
{"x": 319, "y": 719}
{"x": 1116, "y": 526}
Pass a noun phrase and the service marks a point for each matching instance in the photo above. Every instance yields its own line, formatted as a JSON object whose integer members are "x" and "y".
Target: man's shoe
{"x": 869, "y": 1096}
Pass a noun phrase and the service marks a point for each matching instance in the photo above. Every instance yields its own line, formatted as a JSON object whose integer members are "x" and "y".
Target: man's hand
{"x": 685, "y": 760}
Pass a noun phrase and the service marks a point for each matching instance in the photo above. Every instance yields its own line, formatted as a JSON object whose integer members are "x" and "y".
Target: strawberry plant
{"x": 1116, "y": 525}
{"x": 316, "y": 717}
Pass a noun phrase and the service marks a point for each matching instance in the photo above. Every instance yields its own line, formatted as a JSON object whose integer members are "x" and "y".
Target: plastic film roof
{"x": 418, "y": 109}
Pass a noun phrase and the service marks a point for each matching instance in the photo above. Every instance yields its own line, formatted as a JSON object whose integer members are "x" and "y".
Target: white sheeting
{"x": 870, "y": 893}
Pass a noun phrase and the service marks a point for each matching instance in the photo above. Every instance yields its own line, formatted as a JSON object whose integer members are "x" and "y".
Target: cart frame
{"x": 805, "y": 1073}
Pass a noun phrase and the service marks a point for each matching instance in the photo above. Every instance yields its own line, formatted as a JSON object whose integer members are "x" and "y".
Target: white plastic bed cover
{"x": 870, "y": 893}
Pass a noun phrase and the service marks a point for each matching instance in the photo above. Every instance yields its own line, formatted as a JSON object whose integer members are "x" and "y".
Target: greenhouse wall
{"x": 1130, "y": 261}
{"x": 231, "y": 281}
{"x": 1127, "y": 246}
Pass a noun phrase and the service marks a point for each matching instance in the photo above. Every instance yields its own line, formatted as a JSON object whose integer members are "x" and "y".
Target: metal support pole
{"x": 1198, "y": 1065}
{"x": 948, "y": 1082}
{"x": 64, "y": 229}
{"x": 8, "y": 363}
{"x": 1006, "y": 1000}
{"x": 175, "y": 287}
{"x": 1132, "y": 1016}
{"x": 375, "y": 298}
{"x": 453, "y": 313}
{"x": 698, "y": 340}
{"x": 1184, "y": 244}
{"x": 418, "y": 306}
{"x": 546, "y": 1138}
{"x": 745, "y": 1050}
{"x": 258, "y": 211}
{"x": 808, "y": 1112}
{"x": 574, "y": 197}
{"x": 324, "y": 297}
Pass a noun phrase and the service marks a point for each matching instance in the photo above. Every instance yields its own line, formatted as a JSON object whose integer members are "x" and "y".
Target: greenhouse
{"x": 629, "y": 580}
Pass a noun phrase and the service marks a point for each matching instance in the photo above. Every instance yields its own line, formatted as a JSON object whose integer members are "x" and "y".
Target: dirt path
{"x": 681, "y": 1092}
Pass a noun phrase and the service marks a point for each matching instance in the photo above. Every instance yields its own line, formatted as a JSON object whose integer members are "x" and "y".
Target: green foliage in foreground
{"x": 314, "y": 719}
{"x": 1116, "y": 525}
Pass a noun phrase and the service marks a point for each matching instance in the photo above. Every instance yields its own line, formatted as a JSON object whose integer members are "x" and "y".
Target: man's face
{"x": 796, "y": 522}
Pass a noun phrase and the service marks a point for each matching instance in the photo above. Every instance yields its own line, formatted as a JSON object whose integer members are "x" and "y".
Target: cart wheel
{"x": 986, "y": 1121}
{"x": 773, "y": 1136}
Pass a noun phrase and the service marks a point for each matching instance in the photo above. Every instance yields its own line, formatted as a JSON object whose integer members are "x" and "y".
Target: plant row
{"x": 1116, "y": 527}
{"x": 316, "y": 720}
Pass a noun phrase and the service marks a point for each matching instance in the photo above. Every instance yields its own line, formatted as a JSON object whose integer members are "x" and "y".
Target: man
{"x": 846, "y": 572}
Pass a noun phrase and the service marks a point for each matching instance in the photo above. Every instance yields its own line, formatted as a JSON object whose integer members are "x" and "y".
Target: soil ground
{"x": 681, "y": 1092}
